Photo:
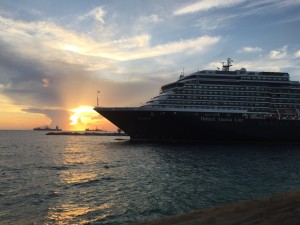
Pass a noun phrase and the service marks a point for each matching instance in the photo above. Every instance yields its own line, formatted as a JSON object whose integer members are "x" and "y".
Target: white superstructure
{"x": 258, "y": 95}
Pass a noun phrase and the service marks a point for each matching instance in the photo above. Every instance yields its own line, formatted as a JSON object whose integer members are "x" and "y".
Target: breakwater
{"x": 87, "y": 133}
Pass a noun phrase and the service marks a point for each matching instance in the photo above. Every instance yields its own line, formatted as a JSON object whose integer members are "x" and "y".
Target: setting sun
{"x": 82, "y": 117}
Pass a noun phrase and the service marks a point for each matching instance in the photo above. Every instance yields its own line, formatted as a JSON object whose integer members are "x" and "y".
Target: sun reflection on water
{"x": 77, "y": 180}
{"x": 77, "y": 177}
{"x": 69, "y": 213}
{"x": 73, "y": 157}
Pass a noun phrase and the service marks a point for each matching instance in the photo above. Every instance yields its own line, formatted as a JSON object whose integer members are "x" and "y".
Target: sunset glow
{"x": 71, "y": 48}
{"x": 82, "y": 117}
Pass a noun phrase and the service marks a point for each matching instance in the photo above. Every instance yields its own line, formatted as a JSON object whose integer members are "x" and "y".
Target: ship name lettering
{"x": 205, "y": 118}
{"x": 144, "y": 118}
{"x": 225, "y": 119}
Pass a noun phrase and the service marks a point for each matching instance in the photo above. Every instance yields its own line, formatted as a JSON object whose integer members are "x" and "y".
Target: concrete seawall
{"x": 281, "y": 209}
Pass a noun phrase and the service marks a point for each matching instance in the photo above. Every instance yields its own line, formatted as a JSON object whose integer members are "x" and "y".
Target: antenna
{"x": 181, "y": 74}
{"x": 225, "y": 67}
{"x": 98, "y": 98}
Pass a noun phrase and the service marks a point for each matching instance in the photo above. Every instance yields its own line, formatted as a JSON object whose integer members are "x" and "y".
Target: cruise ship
{"x": 216, "y": 105}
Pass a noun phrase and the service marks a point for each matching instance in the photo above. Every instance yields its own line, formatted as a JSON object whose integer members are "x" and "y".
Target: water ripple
{"x": 93, "y": 182}
{"x": 59, "y": 167}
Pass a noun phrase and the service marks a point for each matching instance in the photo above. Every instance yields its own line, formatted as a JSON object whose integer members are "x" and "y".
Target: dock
{"x": 281, "y": 209}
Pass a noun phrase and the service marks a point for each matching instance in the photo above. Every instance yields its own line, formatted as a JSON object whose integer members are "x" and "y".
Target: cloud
{"x": 213, "y": 22}
{"x": 271, "y": 6}
{"x": 165, "y": 49}
{"x": 205, "y": 5}
{"x": 58, "y": 117}
{"x": 45, "y": 82}
{"x": 46, "y": 68}
{"x": 297, "y": 54}
{"x": 153, "y": 18}
{"x": 130, "y": 43}
{"x": 58, "y": 43}
{"x": 287, "y": 64}
{"x": 279, "y": 53}
{"x": 250, "y": 50}
{"x": 97, "y": 14}
{"x": 48, "y": 42}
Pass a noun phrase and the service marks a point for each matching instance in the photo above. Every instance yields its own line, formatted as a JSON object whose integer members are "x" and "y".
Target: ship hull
{"x": 144, "y": 124}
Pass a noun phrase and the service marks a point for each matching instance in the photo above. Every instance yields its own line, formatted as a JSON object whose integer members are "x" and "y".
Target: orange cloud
{"x": 45, "y": 82}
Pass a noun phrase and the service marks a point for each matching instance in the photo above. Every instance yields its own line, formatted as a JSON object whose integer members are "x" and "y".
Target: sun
{"x": 82, "y": 117}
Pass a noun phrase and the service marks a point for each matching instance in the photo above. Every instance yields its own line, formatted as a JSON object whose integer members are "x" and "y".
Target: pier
{"x": 281, "y": 209}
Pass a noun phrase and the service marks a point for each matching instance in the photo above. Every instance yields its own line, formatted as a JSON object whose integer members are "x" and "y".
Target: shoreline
{"x": 278, "y": 209}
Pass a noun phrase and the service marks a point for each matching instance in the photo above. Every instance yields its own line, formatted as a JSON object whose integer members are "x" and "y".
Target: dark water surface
{"x": 101, "y": 180}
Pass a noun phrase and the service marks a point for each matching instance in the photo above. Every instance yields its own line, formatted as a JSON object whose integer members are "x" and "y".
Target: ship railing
{"x": 278, "y": 113}
{"x": 298, "y": 113}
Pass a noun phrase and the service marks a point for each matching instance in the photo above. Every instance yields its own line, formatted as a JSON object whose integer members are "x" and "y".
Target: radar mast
{"x": 228, "y": 64}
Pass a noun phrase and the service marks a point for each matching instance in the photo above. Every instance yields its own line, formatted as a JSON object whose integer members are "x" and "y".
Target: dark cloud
{"x": 22, "y": 78}
{"x": 59, "y": 117}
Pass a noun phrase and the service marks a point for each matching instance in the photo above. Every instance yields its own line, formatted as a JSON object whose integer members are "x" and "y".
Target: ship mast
{"x": 98, "y": 98}
{"x": 225, "y": 67}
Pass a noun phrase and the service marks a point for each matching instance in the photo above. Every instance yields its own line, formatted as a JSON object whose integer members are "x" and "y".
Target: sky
{"x": 56, "y": 55}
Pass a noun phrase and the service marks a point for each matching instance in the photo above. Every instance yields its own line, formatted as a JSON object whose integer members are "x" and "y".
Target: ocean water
{"x": 102, "y": 180}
